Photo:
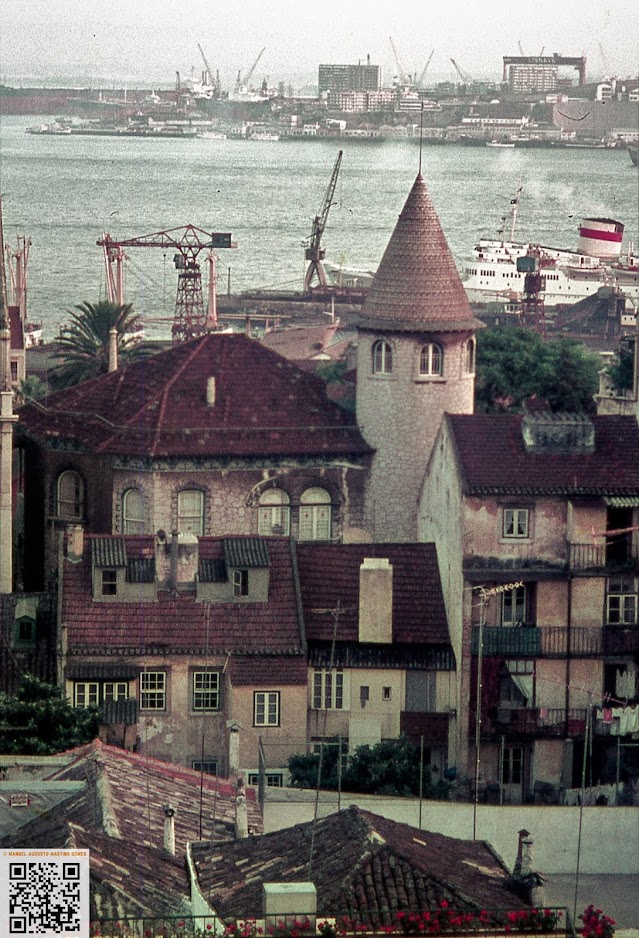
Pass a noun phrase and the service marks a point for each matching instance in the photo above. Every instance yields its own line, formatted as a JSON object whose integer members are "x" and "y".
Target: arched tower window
{"x": 431, "y": 360}
{"x": 69, "y": 502}
{"x": 315, "y": 515}
{"x": 132, "y": 512}
{"x": 190, "y": 519}
{"x": 382, "y": 358}
{"x": 470, "y": 356}
{"x": 274, "y": 513}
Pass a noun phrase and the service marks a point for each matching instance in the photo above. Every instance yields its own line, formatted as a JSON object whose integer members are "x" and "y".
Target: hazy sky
{"x": 137, "y": 40}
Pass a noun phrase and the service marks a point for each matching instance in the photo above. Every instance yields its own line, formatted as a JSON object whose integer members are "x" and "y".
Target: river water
{"x": 64, "y": 191}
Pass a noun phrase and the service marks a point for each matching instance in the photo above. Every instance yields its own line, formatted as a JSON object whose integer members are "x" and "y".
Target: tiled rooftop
{"x": 264, "y": 405}
{"x": 494, "y": 460}
{"x": 417, "y": 284}
{"x": 329, "y": 573}
{"x": 361, "y": 863}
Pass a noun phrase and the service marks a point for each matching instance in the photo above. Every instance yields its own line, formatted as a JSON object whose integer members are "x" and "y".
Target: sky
{"x": 137, "y": 41}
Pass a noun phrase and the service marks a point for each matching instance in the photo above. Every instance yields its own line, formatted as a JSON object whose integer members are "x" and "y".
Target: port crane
{"x": 404, "y": 79}
{"x": 422, "y": 77}
{"x": 464, "y": 77}
{"x": 190, "y": 317}
{"x": 244, "y": 82}
{"x": 210, "y": 79}
{"x": 315, "y": 253}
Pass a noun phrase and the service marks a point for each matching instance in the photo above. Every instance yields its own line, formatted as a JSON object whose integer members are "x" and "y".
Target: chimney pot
{"x": 169, "y": 829}
{"x": 241, "y": 811}
{"x": 210, "y": 391}
{"x": 113, "y": 349}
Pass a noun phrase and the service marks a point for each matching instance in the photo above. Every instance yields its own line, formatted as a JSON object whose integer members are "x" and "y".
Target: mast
{"x": 7, "y": 419}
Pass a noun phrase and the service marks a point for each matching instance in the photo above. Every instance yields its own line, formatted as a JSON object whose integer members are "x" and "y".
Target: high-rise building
{"x": 340, "y": 78}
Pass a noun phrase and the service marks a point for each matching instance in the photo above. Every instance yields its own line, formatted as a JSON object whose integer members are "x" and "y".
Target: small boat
{"x": 500, "y": 143}
{"x": 54, "y": 128}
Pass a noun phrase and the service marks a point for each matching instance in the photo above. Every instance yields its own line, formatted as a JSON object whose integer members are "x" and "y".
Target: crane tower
{"x": 315, "y": 253}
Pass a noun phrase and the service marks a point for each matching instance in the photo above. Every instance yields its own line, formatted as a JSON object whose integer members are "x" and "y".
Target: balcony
{"x": 620, "y": 640}
{"x": 432, "y": 727}
{"x": 552, "y": 641}
{"x": 540, "y": 723}
{"x": 617, "y": 556}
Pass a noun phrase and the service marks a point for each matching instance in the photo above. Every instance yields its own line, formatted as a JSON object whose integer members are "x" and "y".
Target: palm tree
{"x": 84, "y": 345}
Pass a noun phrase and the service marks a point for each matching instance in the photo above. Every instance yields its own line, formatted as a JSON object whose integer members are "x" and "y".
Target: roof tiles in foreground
{"x": 417, "y": 285}
{"x": 263, "y": 406}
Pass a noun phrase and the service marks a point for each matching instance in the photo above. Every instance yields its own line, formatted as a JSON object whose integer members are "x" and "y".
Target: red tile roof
{"x": 417, "y": 284}
{"x": 133, "y": 628}
{"x": 329, "y": 573}
{"x": 363, "y": 865}
{"x": 264, "y": 405}
{"x": 493, "y": 459}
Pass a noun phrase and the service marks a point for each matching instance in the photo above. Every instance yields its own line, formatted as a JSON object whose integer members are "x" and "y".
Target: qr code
{"x": 44, "y": 894}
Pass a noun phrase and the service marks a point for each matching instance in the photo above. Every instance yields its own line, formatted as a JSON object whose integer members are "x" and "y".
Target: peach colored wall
{"x": 588, "y": 601}
{"x": 547, "y": 525}
{"x": 279, "y": 741}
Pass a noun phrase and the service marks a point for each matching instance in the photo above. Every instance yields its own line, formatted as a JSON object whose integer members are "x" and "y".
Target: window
{"x": 25, "y": 631}
{"x": 206, "y": 690}
{"x": 208, "y": 766}
{"x": 70, "y": 495}
{"x": 470, "y": 356}
{"x": 386, "y": 693}
{"x": 315, "y": 515}
{"x": 153, "y": 690}
{"x": 513, "y": 606}
{"x": 14, "y": 372}
{"x": 132, "y": 512}
{"x": 94, "y": 693}
{"x": 621, "y": 601}
{"x": 382, "y": 358}
{"x": 274, "y": 513}
{"x": 191, "y": 512}
{"x": 271, "y": 779}
{"x": 515, "y": 523}
{"x": 109, "y": 582}
{"x": 512, "y": 765}
{"x": 328, "y": 690}
{"x": 431, "y": 360}
{"x": 240, "y": 583}
{"x": 266, "y": 708}
{"x": 516, "y": 684}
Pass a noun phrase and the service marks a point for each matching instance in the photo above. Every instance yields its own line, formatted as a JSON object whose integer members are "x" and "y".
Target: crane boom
{"x": 462, "y": 75}
{"x": 210, "y": 76}
{"x": 422, "y": 77}
{"x": 249, "y": 74}
{"x": 401, "y": 74}
{"x": 314, "y": 252}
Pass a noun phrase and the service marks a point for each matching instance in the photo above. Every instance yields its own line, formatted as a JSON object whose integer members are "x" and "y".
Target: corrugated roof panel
{"x": 246, "y": 552}
{"x": 212, "y": 571}
{"x": 140, "y": 570}
{"x": 108, "y": 552}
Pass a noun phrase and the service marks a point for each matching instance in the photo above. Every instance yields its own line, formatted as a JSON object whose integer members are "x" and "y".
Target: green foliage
{"x": 84, "y": 345}
{"x": 516, "y": 364}
{"x": 39, "y": 720}
{"x": 621, "y": 371}
{"x": 388, "y": 768}
{"x": 32, "y": 388}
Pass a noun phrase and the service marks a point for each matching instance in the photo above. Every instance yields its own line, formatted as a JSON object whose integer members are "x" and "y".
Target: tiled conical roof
{"x": 417, "y": 284}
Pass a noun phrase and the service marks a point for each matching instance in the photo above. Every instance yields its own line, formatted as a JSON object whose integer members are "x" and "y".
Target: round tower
{"x": 415, "y": 362}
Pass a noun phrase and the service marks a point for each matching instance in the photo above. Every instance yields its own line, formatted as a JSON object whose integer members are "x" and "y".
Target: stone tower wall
{"x": 399, "y": 415}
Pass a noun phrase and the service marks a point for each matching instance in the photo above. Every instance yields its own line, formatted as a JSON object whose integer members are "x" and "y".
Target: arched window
{"x": 382, "y": 358}
{"x": 190, "y": 518}
{"x": 132, "y": 512}
{"x": 274, "y": 513}
{"x": 70, "y": 495}
{"x": 315, "y": 515}
{"x": 470, "y": 356}
{"x": 431, "y": 360}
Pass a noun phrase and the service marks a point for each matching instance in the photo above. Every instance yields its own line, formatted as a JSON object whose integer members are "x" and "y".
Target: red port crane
{"x": 190, "y": 317}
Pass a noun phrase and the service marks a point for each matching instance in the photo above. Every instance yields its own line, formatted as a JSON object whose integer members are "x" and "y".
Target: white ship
{"x": 567, "y": 275}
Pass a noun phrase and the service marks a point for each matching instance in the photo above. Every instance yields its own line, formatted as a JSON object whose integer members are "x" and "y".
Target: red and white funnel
{"x": 600, "y": 237}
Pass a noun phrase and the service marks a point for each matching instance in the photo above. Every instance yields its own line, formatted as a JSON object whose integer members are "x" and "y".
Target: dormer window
{"x": 70, "y": 495}
{"x": 431, "y": 360}
{"x": 382, "y": 358}
{"x": 109, "y": 582}
{"x": 240, "y": 582}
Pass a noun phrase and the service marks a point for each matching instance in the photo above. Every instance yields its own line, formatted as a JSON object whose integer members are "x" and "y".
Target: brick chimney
{"x": 376, "y": 600}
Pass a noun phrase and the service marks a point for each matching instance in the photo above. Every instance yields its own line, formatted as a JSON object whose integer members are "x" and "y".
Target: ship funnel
{"x": 600, "y": 237}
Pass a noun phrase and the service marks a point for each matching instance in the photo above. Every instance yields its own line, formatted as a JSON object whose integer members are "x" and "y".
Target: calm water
{"x": 65, "y": 191}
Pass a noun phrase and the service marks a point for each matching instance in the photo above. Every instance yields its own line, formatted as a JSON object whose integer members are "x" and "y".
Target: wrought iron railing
{"x": 541, "y": 723}
{"x": 614, "y": 555}
{"x": 556, "y": 641}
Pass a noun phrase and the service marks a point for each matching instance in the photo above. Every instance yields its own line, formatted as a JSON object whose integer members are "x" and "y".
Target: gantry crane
{"x": 190, "y": 317}
{"x": 315, "y": 253}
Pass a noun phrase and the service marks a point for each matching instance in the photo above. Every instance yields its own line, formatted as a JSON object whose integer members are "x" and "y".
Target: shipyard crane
{"x": 210, "y": 78}
{"x": 315, "y": 253}
{"x": 464, "y": 77}
{"x": 422, "y": 77}
{"x": 190, "y": 318}
{"x": 244, "y": 82}
{"x": 401, "y": 74}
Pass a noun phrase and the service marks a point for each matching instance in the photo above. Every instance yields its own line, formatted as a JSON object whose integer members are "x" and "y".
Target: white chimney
{"x": 75, "y": 542}
{"x": 210, "y": 391}
{"x": 113, "y": 349}
{"x": 169, "y": 829}
{"x": 234, "y": 746}
{"x": 241, "y": 811}
{"x": 376, "y": 600}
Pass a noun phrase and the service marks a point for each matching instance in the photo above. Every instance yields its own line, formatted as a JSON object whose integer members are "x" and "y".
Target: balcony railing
{"x": 615, "y": 555}
{"x": 621, "y": 639}
{"x": 540, "y": 723}
{"x": 556, "y": 641}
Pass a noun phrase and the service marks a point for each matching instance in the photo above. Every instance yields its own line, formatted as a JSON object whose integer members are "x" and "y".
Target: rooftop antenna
{"x": 421, "y": 135}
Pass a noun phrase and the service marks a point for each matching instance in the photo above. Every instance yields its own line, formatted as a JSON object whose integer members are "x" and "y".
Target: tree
{"x": 515, "y": 364}
{"x": 32, "y": 388}
{"x": 84, "y": 345}
{"x": 621, "y": 371}
{"x": 39, "y": 720}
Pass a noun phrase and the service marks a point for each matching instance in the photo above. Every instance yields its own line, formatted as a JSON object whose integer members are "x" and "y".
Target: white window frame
{"x": 431, "y": 360}
{"x": 115, "y": 690}
{"x": 271, "y": 779}
{"x": 153, "y": 685}
{"x": 315, "y": 519}
{"x": 132, "y": 512}
{"x": 382, "y": 357}
{"x": 266, "y": 708}
{"x": 205, "y": 691}
{"x": 622, "y": 606}
{"x": 240, "y": 583}
{"x": 512, "y": 768}
{"x": 190, "y": 518}
{"x": 329, "y": 689}
{"x": 95, "y": 693}
{"x": 516, "y": 523}
{"x": 207, "y": 766}
{"x": 274, "y": 513}
{"x": 108, "y": 581}
{"x": 512, "y": 601}
{"x": 69, "y": 504}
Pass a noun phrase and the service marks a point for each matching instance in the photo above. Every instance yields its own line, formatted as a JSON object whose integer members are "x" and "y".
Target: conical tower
{"x": 415, "y": 362}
